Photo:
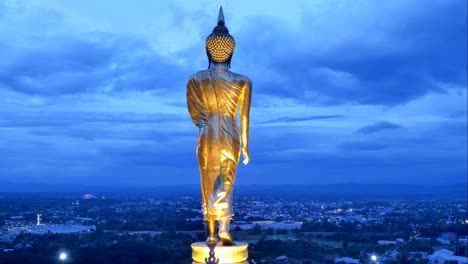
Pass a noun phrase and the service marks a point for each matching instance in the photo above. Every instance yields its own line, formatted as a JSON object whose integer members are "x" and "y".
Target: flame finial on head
{"x": 221, "y": 16}
{"x": 220, "y": 44}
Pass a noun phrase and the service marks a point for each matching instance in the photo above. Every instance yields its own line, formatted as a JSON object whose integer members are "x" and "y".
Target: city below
{"x": 289, "y": 226}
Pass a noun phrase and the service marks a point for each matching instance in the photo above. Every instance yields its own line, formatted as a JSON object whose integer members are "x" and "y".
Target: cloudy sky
{"x": 93, "y": 92}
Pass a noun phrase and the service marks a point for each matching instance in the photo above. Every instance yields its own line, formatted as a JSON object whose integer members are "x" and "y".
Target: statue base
{"x": 236, "y": 254}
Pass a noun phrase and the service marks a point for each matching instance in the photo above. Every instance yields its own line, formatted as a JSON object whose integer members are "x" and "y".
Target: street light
{"x": 63, "y": 256}
{"x": 374, "y": 258}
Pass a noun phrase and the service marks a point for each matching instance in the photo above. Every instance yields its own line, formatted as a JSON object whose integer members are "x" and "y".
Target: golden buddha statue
{"x": 213, "y": 98}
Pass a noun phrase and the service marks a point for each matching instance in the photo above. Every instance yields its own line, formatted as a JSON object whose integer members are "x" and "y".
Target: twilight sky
{"x": 93, "y": 92}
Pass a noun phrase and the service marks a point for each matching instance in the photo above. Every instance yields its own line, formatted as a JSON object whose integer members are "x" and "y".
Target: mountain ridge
{"x": 346, "y": 190}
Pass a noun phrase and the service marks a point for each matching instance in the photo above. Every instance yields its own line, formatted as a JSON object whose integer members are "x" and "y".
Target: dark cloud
{"x": 277, "y": 155}
{"x": 379, "y": 126}
{"x": 152, "y": 156}
{"x": 354, "y": 168}
{"x": 59, "y": 65}
{"x": 420, "y": 49}
{"x": 299, "y": 119}
{"x": 459, "y": 113}
{"x": 429, "y": 48}
{"x": 44, "y": 53}
{"x": 297, "y": 158}
{"x": 423, "y": 49}
{"x": 120, "y": 127}
{"x": 92, "y": 62}
{"x": 363, "y": 146}
{"x": 63, "y": 119}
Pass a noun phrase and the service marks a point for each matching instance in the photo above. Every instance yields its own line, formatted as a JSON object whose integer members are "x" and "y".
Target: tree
{"x": 345, "y": 244}
{"x": 257, "y": 230}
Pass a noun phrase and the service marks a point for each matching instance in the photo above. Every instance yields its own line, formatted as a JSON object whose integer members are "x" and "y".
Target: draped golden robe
{"x": 213, "y": 98}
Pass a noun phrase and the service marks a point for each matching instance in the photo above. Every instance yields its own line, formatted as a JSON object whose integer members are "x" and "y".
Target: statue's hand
{"x": 246, "y": 155}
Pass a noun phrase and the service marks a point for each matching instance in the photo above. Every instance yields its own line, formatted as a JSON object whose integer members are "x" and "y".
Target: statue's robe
{"x": 213, "y": 98}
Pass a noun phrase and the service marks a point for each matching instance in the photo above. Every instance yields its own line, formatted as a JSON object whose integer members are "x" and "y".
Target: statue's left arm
{"x": 244, "y": 119}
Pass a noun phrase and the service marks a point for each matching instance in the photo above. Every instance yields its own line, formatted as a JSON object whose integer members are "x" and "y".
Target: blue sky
{"x": 93, "y": 92}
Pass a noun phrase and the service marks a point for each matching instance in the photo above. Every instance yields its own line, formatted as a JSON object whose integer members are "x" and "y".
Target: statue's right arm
{"x": 246, "y": 98}
{"x": 195, "y": 105}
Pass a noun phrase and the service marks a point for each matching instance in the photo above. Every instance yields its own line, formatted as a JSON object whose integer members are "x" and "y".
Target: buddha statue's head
{"x": 220, "y": 44}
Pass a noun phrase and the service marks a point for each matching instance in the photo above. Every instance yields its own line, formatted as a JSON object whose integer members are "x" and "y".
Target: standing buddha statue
{"x": 214, "y": 96}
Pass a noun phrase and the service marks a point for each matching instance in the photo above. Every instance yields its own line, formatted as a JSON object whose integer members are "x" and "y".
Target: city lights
{"x": 63, "y": 256}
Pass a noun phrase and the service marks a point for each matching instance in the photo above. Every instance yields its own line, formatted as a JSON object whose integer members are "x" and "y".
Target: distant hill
{"x": 309, "y": 191}
{"x": 353, "y": 190}
{"x": 9, "y": 187}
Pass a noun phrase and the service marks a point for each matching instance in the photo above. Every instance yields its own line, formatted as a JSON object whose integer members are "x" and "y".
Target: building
{"x": 38, "y": 219}
{"x": 282, "y": 259}
{"x": 443, "y": 255}
{"x": 463, "y": 240}
{"x": 386, "y": 242}
{"x": 443, "y": 241}
{"x": 347, "y": 260}
{"x": 417, "y": 255}
{"x": 270, "y": 224}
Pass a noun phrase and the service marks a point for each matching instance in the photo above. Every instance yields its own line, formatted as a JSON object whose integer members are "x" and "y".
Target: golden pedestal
{"x": 236, "y": 254}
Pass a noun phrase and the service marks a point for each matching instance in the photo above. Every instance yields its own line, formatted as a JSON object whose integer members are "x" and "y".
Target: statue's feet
{"x": 210, "y": 232}
{"x": 226, "y": 238}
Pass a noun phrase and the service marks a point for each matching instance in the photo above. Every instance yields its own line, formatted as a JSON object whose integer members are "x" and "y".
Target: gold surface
{"x": 214, "y": 97}
{"x": 226, "y": 254}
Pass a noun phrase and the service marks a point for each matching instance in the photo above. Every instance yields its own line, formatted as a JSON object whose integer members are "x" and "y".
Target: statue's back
{"x": 216, "y": 97}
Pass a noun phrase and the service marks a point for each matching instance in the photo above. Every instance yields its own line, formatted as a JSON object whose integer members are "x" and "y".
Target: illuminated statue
{"x": 213, "y": 98}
